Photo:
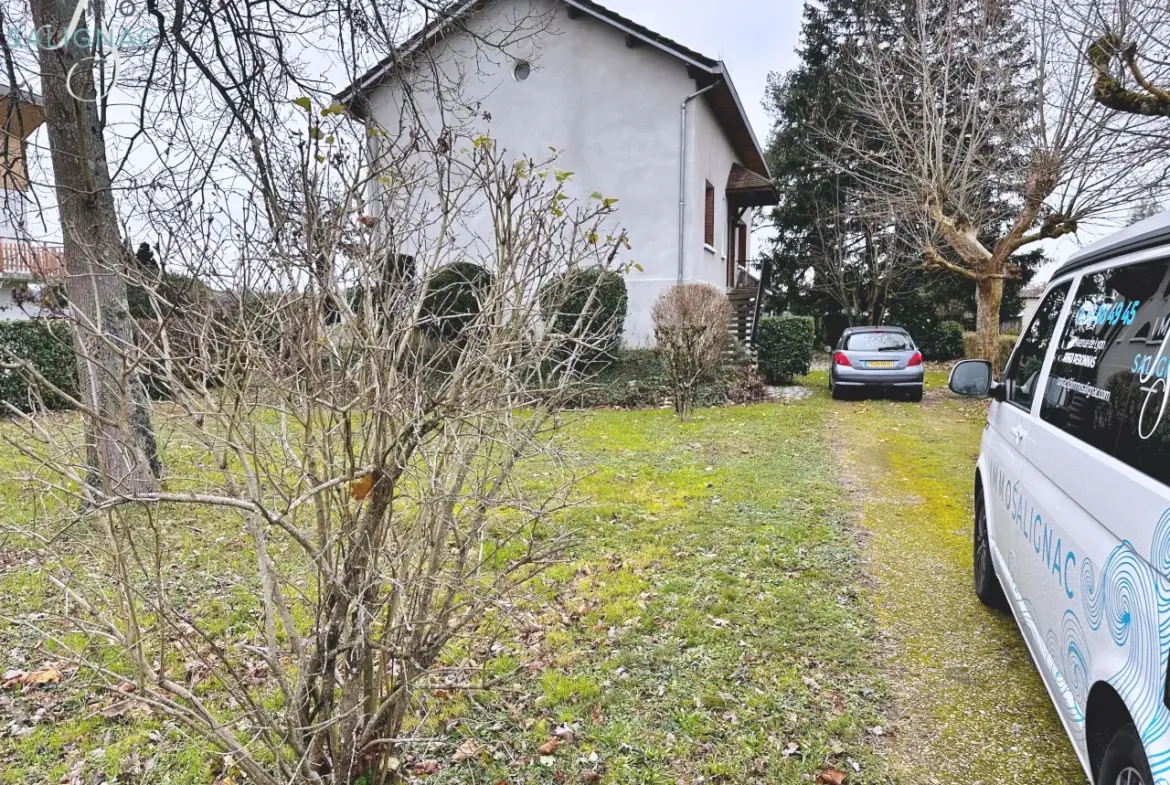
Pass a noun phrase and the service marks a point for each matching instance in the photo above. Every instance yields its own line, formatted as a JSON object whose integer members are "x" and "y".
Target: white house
{"x": 635, "y": 116}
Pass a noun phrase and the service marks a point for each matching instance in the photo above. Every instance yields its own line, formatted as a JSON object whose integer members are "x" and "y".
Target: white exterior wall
{"x": 613, "y": 112}
{"x": 711, "y": 162}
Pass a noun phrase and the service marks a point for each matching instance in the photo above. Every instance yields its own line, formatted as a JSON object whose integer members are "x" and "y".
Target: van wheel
{"x": 1125, "y": 760}
{"x": 987, "y": 586}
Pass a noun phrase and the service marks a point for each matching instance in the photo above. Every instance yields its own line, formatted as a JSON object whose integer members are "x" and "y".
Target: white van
{"x": 1072, "y": 498}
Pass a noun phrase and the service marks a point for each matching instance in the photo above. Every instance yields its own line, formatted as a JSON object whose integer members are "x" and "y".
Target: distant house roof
{"x": 704, "y": 70}
{"x": 27, "y": 96}
{"x": 1151, "y": 232}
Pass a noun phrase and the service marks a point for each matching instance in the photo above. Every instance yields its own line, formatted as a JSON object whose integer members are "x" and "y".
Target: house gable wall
{"x": 611, "y": 110}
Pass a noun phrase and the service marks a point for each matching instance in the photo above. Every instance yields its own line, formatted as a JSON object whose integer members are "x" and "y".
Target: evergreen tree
{"x": 830, "y": 254}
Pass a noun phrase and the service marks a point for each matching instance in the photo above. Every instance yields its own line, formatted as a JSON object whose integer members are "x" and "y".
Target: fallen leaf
{"x": 593, "y": 775}
{"x": 428, "y": 766}
{"x": 831, "y": 776}
{"x": 362, "y": 488}
{"x": 549, "y": 747}
{"x": 115, "y": 709}
{"x": 46, "y": 675}
{"x": 466, "y": 750}
{"x": 790, "y": 749}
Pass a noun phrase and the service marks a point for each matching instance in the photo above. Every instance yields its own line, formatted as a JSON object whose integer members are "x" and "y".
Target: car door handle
{"x": 1019, "y": 433}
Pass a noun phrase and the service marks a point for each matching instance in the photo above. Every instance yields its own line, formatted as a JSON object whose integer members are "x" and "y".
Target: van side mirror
{"x": 972, "y": 379}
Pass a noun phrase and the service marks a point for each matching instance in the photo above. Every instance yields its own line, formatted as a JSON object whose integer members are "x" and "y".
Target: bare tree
{"x": 1128, "y": 52}
{"x": 119, "y": 437}
{"x": 985, "y": 152}
{"x": 862, "y": 262}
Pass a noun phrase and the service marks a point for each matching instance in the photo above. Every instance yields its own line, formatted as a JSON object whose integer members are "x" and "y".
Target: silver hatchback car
{"x": 876, "y": 357}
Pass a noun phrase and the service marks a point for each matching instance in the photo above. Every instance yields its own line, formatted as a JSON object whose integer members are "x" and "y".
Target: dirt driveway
{"x": 969, "y": 706}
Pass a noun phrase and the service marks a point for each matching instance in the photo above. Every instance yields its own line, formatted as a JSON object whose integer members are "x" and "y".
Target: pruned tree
{"x": 978, "y": 127}
{"x": 1128, "y": 52}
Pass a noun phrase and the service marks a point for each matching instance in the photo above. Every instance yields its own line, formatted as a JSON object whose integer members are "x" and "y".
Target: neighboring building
{"x": 1030, "y": 296}
{"x": 21, "y": 263}
{"x": 635, "y": 115}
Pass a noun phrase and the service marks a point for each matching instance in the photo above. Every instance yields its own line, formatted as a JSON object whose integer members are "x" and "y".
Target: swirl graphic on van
{"x": 1136, "y": 612}
{"x": 1071, "y": 652}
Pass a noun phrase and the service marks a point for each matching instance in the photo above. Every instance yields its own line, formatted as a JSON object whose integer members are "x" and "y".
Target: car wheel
{"x": 987, "y": 586}
{"x": 1125, "y": 760}
{"x": 915, "y": 395}
{"x": 836, "y": 391}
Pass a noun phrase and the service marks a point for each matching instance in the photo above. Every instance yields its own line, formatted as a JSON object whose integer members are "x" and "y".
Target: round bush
{"x": 784, "y": 346}
{"x": 943, "y": 342}
{"x": 48, "y": 346}
{"x": 453, "y": 299}
{"x": 597, "y": 333}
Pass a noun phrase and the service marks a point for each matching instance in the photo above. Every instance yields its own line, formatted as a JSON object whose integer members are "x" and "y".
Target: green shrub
{"x": 784, "y": 347}
{"x": 1007, "y": 342}
{"x": 943, "y": 342}
{"x": 46, "y": 344}
{"x": 598, "y": 333}
{"x": 453, "y": 299}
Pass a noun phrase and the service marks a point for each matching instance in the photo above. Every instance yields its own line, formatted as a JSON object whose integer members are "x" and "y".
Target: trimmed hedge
{"x": 1007, "y": 342}
{"x": 563, "y": 301}
{"x": 784, "y": 346}
{"x": 452, "y": 300}
{"x": 48, "y": 345}
{"x": 943, "y": 342}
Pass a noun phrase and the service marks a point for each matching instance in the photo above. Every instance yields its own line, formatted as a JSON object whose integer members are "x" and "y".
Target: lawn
{"x": 709, "y": 624}
{"x": 761, "y": 594}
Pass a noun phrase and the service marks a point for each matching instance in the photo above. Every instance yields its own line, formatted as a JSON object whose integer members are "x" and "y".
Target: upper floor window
{"x": 709, "y": 216}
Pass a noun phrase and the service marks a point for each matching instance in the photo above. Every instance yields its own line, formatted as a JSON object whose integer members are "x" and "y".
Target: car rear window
{"x": 878, "y": 342}
{"x": 1108, "y": 383}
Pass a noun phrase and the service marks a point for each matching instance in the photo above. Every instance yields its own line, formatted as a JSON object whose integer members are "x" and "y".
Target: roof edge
{"x": 356, "y": 93}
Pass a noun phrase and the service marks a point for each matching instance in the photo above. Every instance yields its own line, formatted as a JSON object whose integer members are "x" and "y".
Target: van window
{"x": 1023, "y": 371}
{"x": 1108, "y": 384}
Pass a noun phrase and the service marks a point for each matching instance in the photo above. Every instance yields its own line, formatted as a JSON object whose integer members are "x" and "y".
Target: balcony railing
{"x": 20, "y": 259}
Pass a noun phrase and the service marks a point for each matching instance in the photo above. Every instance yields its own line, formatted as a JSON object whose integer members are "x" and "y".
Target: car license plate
{"x": 880, "y": 364}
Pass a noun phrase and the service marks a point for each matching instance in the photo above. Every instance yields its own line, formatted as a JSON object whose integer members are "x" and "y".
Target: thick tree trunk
{"x": 119, "y": 437}
{"x": 988, "y": 296}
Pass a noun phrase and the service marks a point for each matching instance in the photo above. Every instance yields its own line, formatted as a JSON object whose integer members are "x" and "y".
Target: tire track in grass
{"x": 969, "y": 705}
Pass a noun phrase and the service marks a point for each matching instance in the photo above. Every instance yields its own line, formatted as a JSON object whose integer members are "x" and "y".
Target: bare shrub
{"x": 380, "y": 491}
{"x": 690, "y": 328}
